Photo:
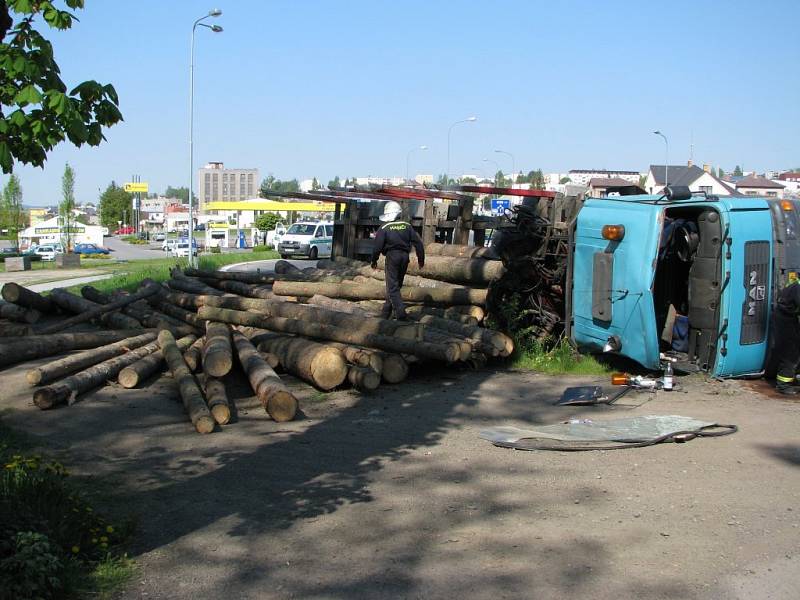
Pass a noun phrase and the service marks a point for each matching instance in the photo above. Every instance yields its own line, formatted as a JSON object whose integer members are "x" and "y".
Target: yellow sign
{"x": 46, "y": 230}
{"x": 136, "y": 187}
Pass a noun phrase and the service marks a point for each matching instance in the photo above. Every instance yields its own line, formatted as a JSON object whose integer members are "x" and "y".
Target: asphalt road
{"x": 125, "y": 251}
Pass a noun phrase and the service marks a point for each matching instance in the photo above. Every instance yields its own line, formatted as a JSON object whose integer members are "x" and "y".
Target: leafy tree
{"x": 180, "y": 193}
{"x": 467, "y": 181}
{"x": 82, "y": 219}
{"x": 642, "y": 181}
{"x": 67, "y": 205}
{"x": 115, "y": 202}
{"x": 335, "y": 183}
{"x": 267, "y": 221}
{"x": 315, "y": 185}
{"x": 270, "y": 184}
{"x": 721, "y": 173}
{"x": 12, "y": 217}
{"x": 537, "y": 180}
{"x": 445, "y": 182}
{"x": 565, "y": 180}
{"x": 38, "y": 112}
{"x": 737, "y": 172}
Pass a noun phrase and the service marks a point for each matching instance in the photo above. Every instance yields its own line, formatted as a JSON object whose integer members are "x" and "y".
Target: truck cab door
{"x": 612, "y": 281}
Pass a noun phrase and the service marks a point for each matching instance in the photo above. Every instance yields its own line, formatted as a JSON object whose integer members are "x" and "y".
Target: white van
{"x": 314, "y": 240}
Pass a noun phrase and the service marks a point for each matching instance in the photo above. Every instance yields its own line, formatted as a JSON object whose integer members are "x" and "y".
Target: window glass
{"x": 329, "y": 230}
{"x": 301, "y": 229}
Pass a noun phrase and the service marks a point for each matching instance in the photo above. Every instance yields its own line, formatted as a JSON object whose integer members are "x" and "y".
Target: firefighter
{"x": 394, "y": 239}
{"x": 787, "y": 336}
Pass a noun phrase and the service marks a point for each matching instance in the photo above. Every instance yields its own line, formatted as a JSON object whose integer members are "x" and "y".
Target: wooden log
{"x": 428, "y": 296}
{"x": 217, "y": 352}
{"x": 70, "y": 303}
{"x": 242, "y": 276}
{"x": 395, "y": 367}
{"x": 331, "y": 266}
{"x": 192, "y": 286}
{"x": 15, "y": 312}
{"x": 318, "y": 364}
{"x": 283, "y": 267}
{"x": 141, "y": 311}
{"x": 362, "y": 357}
{"x": 472, "y": 271}
{"x": 363, "y": 378}
{"x": 459, "y": 251}
{"x": 444, "y": 313}
{"x": 40, "y": 346}
{"x": 87, "y": 358}
{"x": 182, "y": 314}
{"x": 241, "y": 288}
{"x": 67, "y": 389}
{"x": 14, "y": 330}
{"x": 132, "y": 375}
{"x": 490, "y": 342}
{"x": 13, "y": 292}
{"x": 193, "y": 356}
{"x": 345, "y": 306}
{"x": 217, "y": 400}
{"x": 274, "y": 396}
{"x": 443, "y": 352}
{"x": 272, "y": 360}
{"x": 192, "y": 397}
{"x": 98, "y": 310}
{"x": 181, "y": 299}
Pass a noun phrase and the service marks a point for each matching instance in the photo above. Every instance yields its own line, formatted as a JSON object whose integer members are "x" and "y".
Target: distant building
{"x": 791, "y": 182}
{"x": 759, "y": 186}
{"x": 582, "y": 176}
{"x": 692, "y": 176}
{"x": 37, "y": 215}
{"x": 52, "y": 231}
{"x": 215, "y": 183}
{"x": 600, "y": 187}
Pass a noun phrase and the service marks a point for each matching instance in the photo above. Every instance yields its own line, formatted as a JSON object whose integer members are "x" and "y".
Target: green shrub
{"x": 262, "y": 249}
{"x": 97, "y": 256}
{"x": 33, "y": 570}
{"x": 216, "y": 250}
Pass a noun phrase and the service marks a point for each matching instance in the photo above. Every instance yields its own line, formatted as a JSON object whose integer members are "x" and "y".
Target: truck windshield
{"x": 302, "y": 229}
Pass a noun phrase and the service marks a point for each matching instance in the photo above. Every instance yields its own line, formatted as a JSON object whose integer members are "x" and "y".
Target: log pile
{"x": 320, "y": 324}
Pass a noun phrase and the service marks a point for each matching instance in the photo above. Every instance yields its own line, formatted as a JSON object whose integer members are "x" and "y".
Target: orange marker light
{"x": 613, "y": 232}
{"x": 786, "y": 205}
{"x": 619, "y": 379}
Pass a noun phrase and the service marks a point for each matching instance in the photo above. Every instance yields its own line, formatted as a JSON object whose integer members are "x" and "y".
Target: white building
{"x": 583, "y": 176}
{"x": 692, "y": 176}
{"x": 52, "y": 231}
{"x": 215, "y": 183}
{"x": 759, "y": 186}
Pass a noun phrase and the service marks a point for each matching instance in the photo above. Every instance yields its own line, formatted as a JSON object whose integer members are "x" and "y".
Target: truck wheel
{"x": 313, "y": 253}
{"x": 284, "y": 256}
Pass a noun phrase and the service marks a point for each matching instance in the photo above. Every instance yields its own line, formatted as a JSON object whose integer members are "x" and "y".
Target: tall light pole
{"x": 467, "y": 120}
{"x": 216, "y": 29}
{"x": 497, "y": 166}
{"x": 408, "y": 157}
{"x": 666, "y": 158}
{"x": 513, "y": 166}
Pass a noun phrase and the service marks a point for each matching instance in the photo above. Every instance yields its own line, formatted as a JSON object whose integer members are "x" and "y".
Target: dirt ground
{"x": 394, "y": 495}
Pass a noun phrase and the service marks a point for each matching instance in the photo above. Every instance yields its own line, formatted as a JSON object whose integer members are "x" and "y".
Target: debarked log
{"x": 432, "y": 296}
{"x": 40, "y": 346}
{"x": 318, "y": 364}
{"x": 475, "y": 271}
{"x": 217, "y": 399}
{"x": 217, "y": 352}
{"x": 132, "y": 375}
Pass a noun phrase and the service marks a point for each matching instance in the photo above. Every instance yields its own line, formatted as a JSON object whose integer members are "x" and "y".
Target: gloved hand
{"x": 374, "y": 264}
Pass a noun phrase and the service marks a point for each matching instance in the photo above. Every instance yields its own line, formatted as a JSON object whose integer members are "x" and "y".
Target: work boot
{"x": 787, "y": 389}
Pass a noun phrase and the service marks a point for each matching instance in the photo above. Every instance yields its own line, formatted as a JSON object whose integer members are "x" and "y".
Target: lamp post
{"x": 513, "y": 166}
{"x": 467, "y": 120}
{"x": 408, "y": 157}
{"x": 497, "y": 167}
{"x": 216, "y": 29}
{"x": 666, "y": 158}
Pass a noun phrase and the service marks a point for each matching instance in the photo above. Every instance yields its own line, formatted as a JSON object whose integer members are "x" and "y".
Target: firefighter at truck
{"x": 394, "y": 239}
{"x": 787, "y": 336}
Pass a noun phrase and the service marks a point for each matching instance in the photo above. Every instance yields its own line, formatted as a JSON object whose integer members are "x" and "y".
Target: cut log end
{"x": 363, "y": 378}
{"x": 47, "y": 398}
{"x": 395, "y": 368}
{"x": 221, "y": 414}
{"x": 329, "y": 368}
{"x": 204, "y": 424}
{"x": 217, "y": 364}
{"x": 34, "y": 376}
{"x": 282, "y": 406}
{"x": 128, "y": 378}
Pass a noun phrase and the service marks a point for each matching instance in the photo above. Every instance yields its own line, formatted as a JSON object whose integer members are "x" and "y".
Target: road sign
{"x": 499, "y": 205}
{"x": 139, "y": 186}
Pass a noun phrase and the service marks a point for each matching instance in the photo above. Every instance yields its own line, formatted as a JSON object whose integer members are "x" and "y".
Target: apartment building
{"x": 215, "y": 183}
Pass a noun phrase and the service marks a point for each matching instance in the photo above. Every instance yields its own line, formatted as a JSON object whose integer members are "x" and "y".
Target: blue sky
{"x": 347, "y": 87}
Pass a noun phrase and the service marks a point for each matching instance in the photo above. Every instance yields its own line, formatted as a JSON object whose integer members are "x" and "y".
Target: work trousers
{"x": 787, "y": 347}
{"x": 395, "y": 271}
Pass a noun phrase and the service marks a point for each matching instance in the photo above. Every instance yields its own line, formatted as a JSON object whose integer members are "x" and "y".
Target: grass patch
{"x": 557, "y": 359}
{"x": 53, "y": 543}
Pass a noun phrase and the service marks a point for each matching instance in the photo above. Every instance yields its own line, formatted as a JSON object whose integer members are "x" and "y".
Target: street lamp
{"x": 408, "y": 156}
{"x": 513, "y": 165}
{"x": 216, "y": 29}
{"x": 467, "y": 120}
{"x": 666, "y": 158}
{"x": 497, "y": 166}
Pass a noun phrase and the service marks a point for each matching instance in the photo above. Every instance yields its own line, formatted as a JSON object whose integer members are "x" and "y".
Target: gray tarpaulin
{"x": 587, "y": 433}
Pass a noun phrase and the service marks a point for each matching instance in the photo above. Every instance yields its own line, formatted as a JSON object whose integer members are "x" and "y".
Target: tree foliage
{"x": 566, "y": 180}
{"x": 67, "y": 205}
{"x": 737, "y": 172}
{"x": 270, "y": 184}
{"x": 37, "y": 111}
{"x": 180, "y": 193}
{"x": 115, "y": 203}
{"x": 267, "y": 221}
{"x": 315, "y": 185}
{"x": 721, "y": 173}
{"x": 12, "y": 216}
{"x": 335, "y": 183}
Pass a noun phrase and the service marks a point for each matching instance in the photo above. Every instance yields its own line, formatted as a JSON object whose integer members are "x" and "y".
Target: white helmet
{"x": 391, "y": 211}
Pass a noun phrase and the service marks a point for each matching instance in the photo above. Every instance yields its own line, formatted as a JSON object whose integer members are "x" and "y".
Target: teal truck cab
{"x": 692, "y": 276}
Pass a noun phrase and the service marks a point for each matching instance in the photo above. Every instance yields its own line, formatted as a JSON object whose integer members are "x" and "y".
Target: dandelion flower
{"x": 76, "y": 549}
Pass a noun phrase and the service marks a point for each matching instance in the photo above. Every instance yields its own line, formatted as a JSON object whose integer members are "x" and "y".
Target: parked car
{"x": 48, "y": 251}
{"x": 159, "y": 237}
{"x": 168, "y": 245}
{"x": 181, "y": 249}
{"x": 313, "y": 240}
{"x": 124, "y": 230}
{"x": 89, "y": 249}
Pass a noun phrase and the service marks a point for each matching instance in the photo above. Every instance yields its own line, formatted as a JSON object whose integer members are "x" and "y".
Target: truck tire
{"x": 284, "y": 256}
{"x": 313, "y": 253}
